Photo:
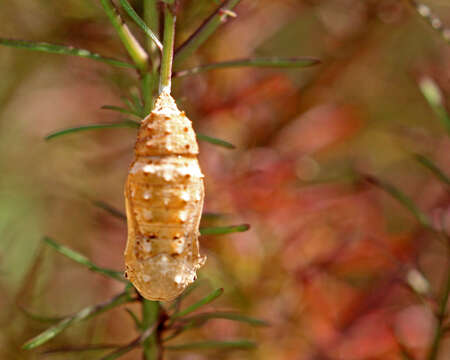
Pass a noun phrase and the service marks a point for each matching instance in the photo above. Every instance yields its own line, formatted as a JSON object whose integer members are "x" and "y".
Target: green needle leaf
{"x": 209, "y": 26}
{"x": 215, "y": 141}
{"x": 40, "y": 318}
{"x": 123, "y": 124}
{"x": 206, "y": 300}
{"x": 121, "y": 110}
{"x": 206, "y": 345}
{"x": 134, "y": 317}
{"x": 84, "y": 314}
{"x": 401, "y": 198}
{"x": 433, "y": 168}
{"x": 200, "y": 319}
{"x": 128, "y": 124}
{"x": 222, "y": 230}
{"x": 64, "y": 50}
{"x": 300, "y": 62}
{"x": 433, "y": 94}
{"x": 109, "y": 209}
{"x": 130, "y": 11}
{"x": 127, "y": 348}
{"x": 83, "y": 260}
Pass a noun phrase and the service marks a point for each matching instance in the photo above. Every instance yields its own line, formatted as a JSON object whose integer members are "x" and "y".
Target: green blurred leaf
{"x": 200, "y": 319}
{"x": 109, "y": 209}
{"x": 433, "y": 94}
{"x": 40, "y": 318}
{"x": 401, "y": 198}
{"x": 215, "y": 141}
{"x": 134, "y": 317}
{"x": 209, "y": 26}
{"x": 127, "y": 124}
{"x": 222, "y": 230}
{"x": 130, "y": 11}
{"x": 83, "y": 260}
{"x": 127, "y": 348}
{"x": 64, "y": 50}
{"x": 97, "y": 347}
{"x": 138, "y": 105}
{"x": 206, "y": 345}
{"x": 121, "y": 110}
{"x": 433, "y": 168}
{"x": 123, "y": 124}
{"x": 299, "y": 62}
{"x": 206, "y": 300}
{"x": 84, "y": 314}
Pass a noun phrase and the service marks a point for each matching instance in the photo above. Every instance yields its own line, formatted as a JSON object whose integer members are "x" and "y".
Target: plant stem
{"x": 150, "y": 315}
{"x": 151, "y": 18}
{"x": 167, "y": 56}
{"x": 135, "y": 50}
{"x": 439, "y": 332}
{"x": 209, "y": 26}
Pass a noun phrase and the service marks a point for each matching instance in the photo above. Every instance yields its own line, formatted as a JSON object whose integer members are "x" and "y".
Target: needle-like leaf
{"x": 222, "y": 230}
{"x": 83, "y": 260}
{"x": 424, "y": 161}
{"x": 134, "y": 317}
{"x": 84, "y": 314}
{"x": 206, "y": 345}
{"x": 109, "y": 209}
{"x": 433, "y": 94}
{"x": 130, "y": 11}
{"x": 200, "y": 319}
{"x": 300, "y": 62}
{"x": 40, "y": 318}
{"x": 209, "y": 26}
{"x": 122, "y": 124}
{"x": 215, "y": 141}
{"x": 64, "y": 50}
{"x": 121, "y": 110}
{"x": 133, "y": 344}
{"x": 206, "y": 300}
{"x": 127, "y": 124}
{"x": 401, "y": 198}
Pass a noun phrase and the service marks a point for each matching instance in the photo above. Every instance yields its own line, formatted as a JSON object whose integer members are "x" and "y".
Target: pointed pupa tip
{"x": 165, "y": 102}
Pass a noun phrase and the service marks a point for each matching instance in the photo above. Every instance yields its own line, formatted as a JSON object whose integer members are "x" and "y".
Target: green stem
{"x": 150, "y": 315}
{"x": 151, "y": 18}
{"x": 167, "y": 56}
{"x": 134, "y": 49}
{"x": 439, "y": 332}
{"x": 204, "y": 32}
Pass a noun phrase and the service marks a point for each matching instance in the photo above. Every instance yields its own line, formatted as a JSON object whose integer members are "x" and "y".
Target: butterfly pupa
{"x": 164, "y": 195}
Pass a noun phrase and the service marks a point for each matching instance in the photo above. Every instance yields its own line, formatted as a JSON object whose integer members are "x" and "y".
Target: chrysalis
{"x": 164, "y": 200}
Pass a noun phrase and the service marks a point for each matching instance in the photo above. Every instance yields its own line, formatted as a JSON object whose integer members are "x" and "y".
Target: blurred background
{"x": 330, "y": 261}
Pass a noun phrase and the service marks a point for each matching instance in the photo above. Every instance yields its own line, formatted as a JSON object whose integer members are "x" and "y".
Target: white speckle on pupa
{"x": 178, "y": 279}
{"x": 146, "y": 278}
{"x": 167, "y": 176}
{"x": 185, "y": 196}
{"x": 182, "y": 215}
{"x": 149, "y": 168}
{"x": 147, "y": 195}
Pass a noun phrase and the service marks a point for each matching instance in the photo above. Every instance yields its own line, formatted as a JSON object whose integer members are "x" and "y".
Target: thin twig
{"x": 135, "y": 50}
{"x": 167, "y": 57}
{"x": 439, "y": 331}
{"x": 209, "y": 26}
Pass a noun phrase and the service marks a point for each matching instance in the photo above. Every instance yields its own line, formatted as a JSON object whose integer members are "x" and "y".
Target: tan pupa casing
{"x": 164, "y": 200}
